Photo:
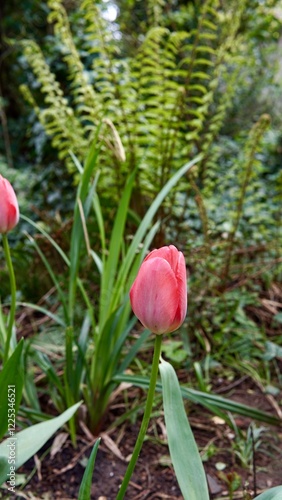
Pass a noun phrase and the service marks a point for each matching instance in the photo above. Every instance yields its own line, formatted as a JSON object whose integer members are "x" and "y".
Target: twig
{"x": 231, "y": 386}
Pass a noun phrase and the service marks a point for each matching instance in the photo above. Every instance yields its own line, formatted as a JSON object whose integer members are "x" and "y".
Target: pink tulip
{"x": 9, "y": 209}
{"x": 159, "y": 293}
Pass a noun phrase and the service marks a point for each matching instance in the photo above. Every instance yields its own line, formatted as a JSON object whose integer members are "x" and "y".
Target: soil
{"x": 58, "y": 476}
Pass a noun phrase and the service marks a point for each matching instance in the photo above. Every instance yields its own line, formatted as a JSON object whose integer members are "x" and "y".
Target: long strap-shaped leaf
{"x": 30, "y": 440}
{"x": 85, "y": 487}
{"x": 182, "y": 446}
{"x": 272, "y": 494}
{"x": 77, "y": 229}
{"x": 210, "y": 401}
{"x": 111, "y": 263}
{"x": 67, "y": 261}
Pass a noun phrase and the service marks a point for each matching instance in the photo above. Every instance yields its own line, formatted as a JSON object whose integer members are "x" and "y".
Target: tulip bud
{"x": 9, "y": 209}
{"x": 158, "y": 295}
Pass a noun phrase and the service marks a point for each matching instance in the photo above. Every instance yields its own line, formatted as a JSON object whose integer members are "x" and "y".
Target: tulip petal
{"x": 169, "y": 253}
{"x": 9, "y": 209}
{"x": 182, "y": 289}
{"x": 178, "y": 266}
{"x": 12, "y": 215}
{"x": 154, "y": 295}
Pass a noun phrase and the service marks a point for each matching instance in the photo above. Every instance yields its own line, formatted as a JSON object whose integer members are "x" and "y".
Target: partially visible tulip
{"x": 9, "y": 208}
{"x": 158, "y": 295}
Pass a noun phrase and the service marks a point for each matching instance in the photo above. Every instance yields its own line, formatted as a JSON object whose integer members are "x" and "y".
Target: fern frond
{"x": 58, "y": 117}
{"x": 82, "y": 90}
{"x": 155, "y": 10}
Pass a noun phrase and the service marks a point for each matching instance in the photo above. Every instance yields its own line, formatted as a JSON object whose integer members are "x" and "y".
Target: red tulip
{"x": 9, "y": 209}
{"x": 159, "y": 293}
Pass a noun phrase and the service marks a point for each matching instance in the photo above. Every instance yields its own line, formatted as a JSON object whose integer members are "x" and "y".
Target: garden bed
{"x": 59, "y": 477}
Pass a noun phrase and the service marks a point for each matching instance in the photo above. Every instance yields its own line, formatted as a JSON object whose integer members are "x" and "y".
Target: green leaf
{"x": 272, "y": 494}
{"x": 4, "y": 469}
{"x": 39, "y": 228}
{"x": 272, "y": 351}
{"x": 11, "y": 385}
{"x": 77, "y": 229}
{"x": 30, "y": 440}
{"x": 52, "y": 274}
{"x": 54, "y": 317}
{"x": 85, "y": 487}
{"x": 110, "y": 265}
{"x": 182, "y": 446}
{"x": 211, "y": 401}
{"x": 133, "y": 350}
{"x": 100, "y": 220}
{"x": 208, "y": 400}
{"x": 66, "y": 260}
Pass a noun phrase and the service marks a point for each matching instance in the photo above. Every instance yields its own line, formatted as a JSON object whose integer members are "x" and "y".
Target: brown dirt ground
{"x": 59, "y": 477}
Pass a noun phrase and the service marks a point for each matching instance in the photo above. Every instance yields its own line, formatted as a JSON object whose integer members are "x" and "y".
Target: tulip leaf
{"x": 29, "y": 441}
{"x": 272, "y": 494}
{"x": 111, "y": 263}
{"x": 213, "y": 402}
{"x": 183, "y": 449}
{"x": 35, "y": 307}
{"x": 85, "y": 487}
{"x": 84, "y": 196}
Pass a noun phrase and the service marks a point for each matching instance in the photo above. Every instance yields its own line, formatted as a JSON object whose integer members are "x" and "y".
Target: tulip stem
{"x": 146, "y": 418}
{"x": 13, "y": 296}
